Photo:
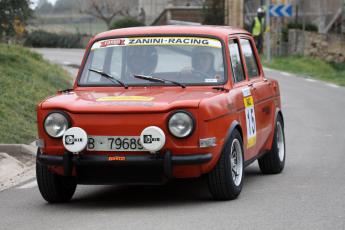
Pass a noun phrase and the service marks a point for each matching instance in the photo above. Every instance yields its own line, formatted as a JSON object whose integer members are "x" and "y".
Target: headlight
{"x": 181, "y": 124}
{"x": 56, "y": 124}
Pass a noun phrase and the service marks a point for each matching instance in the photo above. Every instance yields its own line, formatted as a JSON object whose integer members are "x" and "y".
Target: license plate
{"x": 114, "y": 143}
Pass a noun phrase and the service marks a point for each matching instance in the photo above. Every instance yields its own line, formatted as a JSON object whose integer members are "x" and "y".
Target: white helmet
{"x": 260, "y": 10}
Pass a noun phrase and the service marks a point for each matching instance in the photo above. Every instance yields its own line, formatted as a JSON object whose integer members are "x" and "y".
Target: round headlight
{"x": 181, "y": 124}
{"x": 56, "y": 124}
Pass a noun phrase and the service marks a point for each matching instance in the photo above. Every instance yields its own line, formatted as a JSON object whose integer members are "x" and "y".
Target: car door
{"x": 240, "y": 94}
{"x": 261, "y": 91}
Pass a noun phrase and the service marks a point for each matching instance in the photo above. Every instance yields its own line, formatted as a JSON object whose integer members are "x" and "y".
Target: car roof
{"x": 216, "y": 31}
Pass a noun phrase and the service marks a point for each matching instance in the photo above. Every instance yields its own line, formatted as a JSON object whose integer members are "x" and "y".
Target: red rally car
{"x": 154, "y": 103}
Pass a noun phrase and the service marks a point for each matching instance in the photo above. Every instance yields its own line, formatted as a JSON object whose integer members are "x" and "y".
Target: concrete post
{"x": 234, "y": 13}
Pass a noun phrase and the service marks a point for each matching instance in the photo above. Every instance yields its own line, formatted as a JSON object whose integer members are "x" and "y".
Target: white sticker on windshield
{"x": 141, "y": 41}
{"x": 211, "y": 80}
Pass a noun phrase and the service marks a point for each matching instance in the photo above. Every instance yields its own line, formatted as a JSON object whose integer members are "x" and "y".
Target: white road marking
{"x": 310, "y": 80}
{"x": 267, "y": 69}
{"x": 66, "y": 63}
{"x": 332, "y": 85}
{"x": 286, "y": 74}
{"x": 30, "y": 184}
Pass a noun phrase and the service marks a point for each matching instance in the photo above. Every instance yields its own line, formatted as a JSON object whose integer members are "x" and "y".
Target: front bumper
{"x": 138, "y": 162}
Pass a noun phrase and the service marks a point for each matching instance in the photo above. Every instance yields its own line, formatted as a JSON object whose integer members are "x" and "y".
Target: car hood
{"x": 128, "y": 100}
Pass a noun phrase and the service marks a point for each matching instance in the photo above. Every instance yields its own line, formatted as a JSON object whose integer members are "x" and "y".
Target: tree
{"x": 44, "y": 7}
{"x": 13, "y": 13}
{"x": 214, "y": 13}
{"x": 107, "y": 10}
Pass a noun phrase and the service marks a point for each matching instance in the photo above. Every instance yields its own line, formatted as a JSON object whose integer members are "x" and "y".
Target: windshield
{"x": 186, "y": 60}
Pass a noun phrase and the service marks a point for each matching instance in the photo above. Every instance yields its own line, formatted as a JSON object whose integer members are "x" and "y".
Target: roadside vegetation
{"x": 26, "y": 78}
{"x": 310, "y": 67}
{"x": 125, "y": 23}
{"x": 41, "y": 38}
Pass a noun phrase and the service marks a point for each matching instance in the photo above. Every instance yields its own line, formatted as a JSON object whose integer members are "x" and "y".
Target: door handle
{"x": 252, "y": 86}
{"x": 266, "y": 80}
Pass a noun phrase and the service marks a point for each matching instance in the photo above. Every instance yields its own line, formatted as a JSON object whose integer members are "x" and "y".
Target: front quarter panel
{"x": 216, "y": 116}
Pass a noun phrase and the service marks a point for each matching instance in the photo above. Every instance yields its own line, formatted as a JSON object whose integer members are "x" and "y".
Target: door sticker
{"x": 250, "y": 117}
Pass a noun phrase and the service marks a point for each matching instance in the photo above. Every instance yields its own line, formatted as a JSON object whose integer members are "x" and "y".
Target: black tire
{"x": 220, "y": 180}
{"x": 54, "y": 188}
{"x": 271, "y": 162}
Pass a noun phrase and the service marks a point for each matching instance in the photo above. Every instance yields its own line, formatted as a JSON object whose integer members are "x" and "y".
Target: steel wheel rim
{"x": 236, "y": 162}
{"x": 280, "y": 142}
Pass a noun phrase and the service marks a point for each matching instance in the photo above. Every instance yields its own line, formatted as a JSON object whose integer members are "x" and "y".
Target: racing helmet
{"x": 141, "y": 59}
{"x": 199, "y": 54}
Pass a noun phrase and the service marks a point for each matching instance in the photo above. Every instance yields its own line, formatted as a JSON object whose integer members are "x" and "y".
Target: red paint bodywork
{"x": 214, "y": 110}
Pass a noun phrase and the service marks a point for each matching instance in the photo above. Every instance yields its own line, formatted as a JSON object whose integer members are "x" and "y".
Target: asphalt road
{"x": 63, "y": 57}
{"x": 309, "y": 194}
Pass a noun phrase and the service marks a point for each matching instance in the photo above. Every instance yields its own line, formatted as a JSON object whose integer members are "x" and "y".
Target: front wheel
{"x": 226, "y": 179}
{"x": 273, "y": 162}
{"x": 54, "y": 188}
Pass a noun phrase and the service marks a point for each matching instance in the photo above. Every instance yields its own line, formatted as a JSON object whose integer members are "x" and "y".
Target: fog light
{"x": 75, "y": 140}
{"x": 152, "y": 138}
{"x": 207, "y": 142}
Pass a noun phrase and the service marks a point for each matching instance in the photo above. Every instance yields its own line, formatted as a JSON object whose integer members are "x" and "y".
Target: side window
{"x": 236, "y": 63}
{"x": 249, "y": 57}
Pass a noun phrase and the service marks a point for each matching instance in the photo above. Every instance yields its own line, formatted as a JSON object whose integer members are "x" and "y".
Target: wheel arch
{"x": 278, "y": 113}
{"x": 269, "y": 141}
{"x": 235, "y": 125}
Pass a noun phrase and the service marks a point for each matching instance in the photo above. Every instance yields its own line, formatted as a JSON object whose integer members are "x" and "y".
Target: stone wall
{"x": 186, "y": 14}
{"x": 330, "y": 47}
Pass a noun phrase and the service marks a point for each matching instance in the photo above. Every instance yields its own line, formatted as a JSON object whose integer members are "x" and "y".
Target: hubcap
{"x": 280, "y": 142}
{"x": 236, "y": 162}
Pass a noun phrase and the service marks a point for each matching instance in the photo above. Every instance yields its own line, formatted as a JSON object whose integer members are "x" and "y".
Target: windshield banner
{"x": 165, "y": 41}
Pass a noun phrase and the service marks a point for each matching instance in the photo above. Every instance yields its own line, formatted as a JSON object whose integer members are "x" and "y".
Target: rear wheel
{"x": 226, "y": 179}
{"x": 54, "y": 188}
{"x": 273, "y": 162}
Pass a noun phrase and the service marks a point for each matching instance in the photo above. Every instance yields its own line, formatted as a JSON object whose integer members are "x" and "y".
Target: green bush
{"x": 126, "y": 22}
{"x": 42, "y": 38}
{"x": 297, "y": 25}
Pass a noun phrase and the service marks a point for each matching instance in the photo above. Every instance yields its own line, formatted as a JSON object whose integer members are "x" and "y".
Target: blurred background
{"x": 314, "y": 28}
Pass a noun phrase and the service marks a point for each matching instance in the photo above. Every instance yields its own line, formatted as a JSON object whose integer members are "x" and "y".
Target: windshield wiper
{"x": 156, "y": 79}
{"x": 108, "y": 76}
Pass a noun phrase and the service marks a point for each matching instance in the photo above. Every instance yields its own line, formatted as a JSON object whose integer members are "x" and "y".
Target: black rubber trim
{"x": 90, "y": 160}
{"x": 50, "y": 159}
{"x": 167, "y": 164}
{"x": 251, "y": 160}
{"x": 191, "y": 159}
{"x": 67, "y": 163}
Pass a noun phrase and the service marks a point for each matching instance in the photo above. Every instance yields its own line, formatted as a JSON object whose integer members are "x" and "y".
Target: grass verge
{"x": 311, "y": 67}
{"x": 25, "y": 79}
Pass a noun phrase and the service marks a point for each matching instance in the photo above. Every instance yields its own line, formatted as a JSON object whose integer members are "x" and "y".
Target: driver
{"x": 203, "y": 62}
{"x": 141, "y": 60}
